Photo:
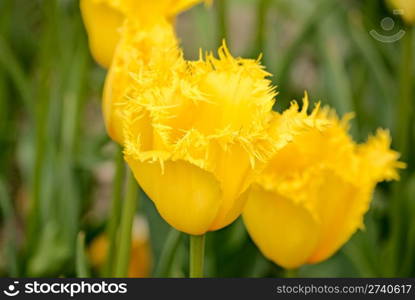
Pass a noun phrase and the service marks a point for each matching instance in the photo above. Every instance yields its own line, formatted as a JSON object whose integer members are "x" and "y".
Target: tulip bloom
{"x": 313, "y": 194}
{"x": 407, "y": 7}
{"x": 104, "y": 19}
{"x": 196, "y": 133}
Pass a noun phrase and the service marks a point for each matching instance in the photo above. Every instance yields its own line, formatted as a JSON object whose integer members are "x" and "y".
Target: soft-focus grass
{"x": 56, "y": 161}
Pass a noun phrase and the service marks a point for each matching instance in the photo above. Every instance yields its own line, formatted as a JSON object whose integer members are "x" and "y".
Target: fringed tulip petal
{"x": 135, "y": 55}
{"x": 323, "y": 172}
{"x": 287, "y": 233}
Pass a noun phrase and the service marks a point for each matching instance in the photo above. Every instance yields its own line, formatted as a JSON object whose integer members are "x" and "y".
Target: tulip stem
{"x": 291, "y": 273}
{"x": 404, "y": 106}
{"x": 403, "y": 139}
{"x": 262, "y": 9}
{"x": 222, "y": 9}
{"x": 115, "y": 211}
{"x": 197, "y": 255}
{"x": 82, "y": 270}
{"x": 127, "y": 217}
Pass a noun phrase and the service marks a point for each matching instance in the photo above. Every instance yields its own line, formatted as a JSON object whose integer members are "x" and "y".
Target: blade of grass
{"x": 363, "y": 42}
{"x": 169, "y": 251}
{"x": 127, "y": 217}
{"x": 115, "y": 211}
{"x": 306, "y": 32}
{"x": 408, "y": 266}
{"x": 405, "y": 104}
{"x": 42, "y": 108}
{"x": 9, "y": 242}
{"x": 205, "y": 30}
{"x": 82, "y": 268}
{"x": 70, "y": 198}
{"x": 403, "y": 137}
{"x": 262, "y": 9}
{"x": 336, "y": 78}
{"x": 222, "y": 11}
{"x": 10, "y": 63}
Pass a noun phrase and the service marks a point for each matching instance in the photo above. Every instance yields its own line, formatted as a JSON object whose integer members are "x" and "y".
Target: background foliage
{"x": 57, "y": 163}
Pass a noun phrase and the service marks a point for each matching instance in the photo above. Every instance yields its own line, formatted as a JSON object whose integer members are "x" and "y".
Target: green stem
{"x": 403, "y": 120}
{"x": 11, "y": 64}
{"x": 82, "y": 270}
{"x": 71, "y": 116}
{"x": 222, "y": 6}
{"x": 40, "y": 149}
{"x": 9, "y": 245}
{"x": 127, "y": 217}
{"x": 115, "y": 211}
{"x": 404, "y": 106}
{"x": 262, "y": 9}
{"x": 41, "y": 111}
{"x": 197, "y": 255}
{"x": 291, "y": 273}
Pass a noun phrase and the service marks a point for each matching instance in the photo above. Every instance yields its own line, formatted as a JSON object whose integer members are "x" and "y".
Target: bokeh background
{"x": 57, "y": 163}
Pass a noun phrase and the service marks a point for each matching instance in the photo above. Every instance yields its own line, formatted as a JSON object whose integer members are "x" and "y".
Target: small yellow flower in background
{"x": 313, "y": 194}
{"x": 104, "y": 19}
{"x": 141, "y": 259}
{"x": 407, "y": 7}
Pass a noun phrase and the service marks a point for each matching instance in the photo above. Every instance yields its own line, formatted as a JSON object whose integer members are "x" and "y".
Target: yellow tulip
{"x": 140, "y": 261}
{"x": 104, "y": 19}
{"x": 144, "y": 39}
{"x": 196, "y": 133}
{"x": 407, "y": 7}
{"x": 314, "y": 192}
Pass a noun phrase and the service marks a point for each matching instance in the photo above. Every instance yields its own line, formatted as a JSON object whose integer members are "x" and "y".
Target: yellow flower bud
{"x": 141, "y": 258}
{"x": 407, "y": 7}
{"x": 195, "y": 134}
{"x": 104, "y": 18}
{"x": 313, "y": 194}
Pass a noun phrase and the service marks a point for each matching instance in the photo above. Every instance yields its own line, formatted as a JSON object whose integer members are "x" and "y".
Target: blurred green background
{"x": 57, "y": 162}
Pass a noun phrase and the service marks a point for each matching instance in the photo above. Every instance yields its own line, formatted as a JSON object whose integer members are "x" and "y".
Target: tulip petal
{"x": 102, "y": 23}
{"x": 186, "y": 196}
{"x": 341, "y": 206}
{"x": 139, "y": 50}
{"x": 285, "y": 232}
{"x": 233, "y": 170}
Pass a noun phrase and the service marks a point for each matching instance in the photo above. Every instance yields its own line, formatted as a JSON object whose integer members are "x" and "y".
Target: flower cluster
{"x": 204, "y": 143}
{"x": 196, "y": 134}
